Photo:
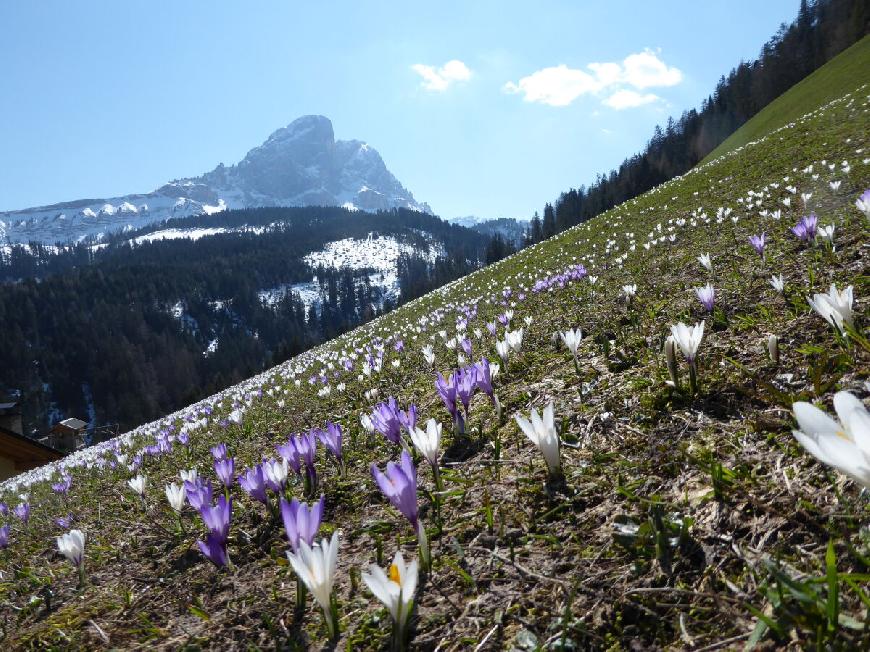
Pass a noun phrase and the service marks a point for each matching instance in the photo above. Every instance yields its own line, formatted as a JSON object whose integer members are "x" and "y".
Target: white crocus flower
{"x": 138, "y": 484}
{"x": 827, "y": 232}
{"x": 428, "y": 442}
{"x": 395, "y": 590}
{"x": 572, "y": 339}
{"x": 542, "y": 432}
{"x": 705, "y": 261}
{"x": 72, "y": 546}
{"x": 778, "y": 283}
{"x": 843, "y": 444}
{"x": 835, "y": 307}
{"x": 514, "y": 340}
{"x": 275, "y": 471}
{"x": 773, "y": 348}
{"x": 315, "y": 567}
{"x": 366, "y": 422}
{"x": 629, "y": 291}
{"x": 429, "y": 354}
{"x": 503, "y": 350}
{"x": 175, "y": 494}
{"x": 688, "y": 338}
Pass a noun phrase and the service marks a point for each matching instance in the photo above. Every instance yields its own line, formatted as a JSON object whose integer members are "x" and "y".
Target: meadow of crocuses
{"x": 650, "y": 431}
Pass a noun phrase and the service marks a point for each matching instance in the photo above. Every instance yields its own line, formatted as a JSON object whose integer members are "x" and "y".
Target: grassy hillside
{"x": 846, "y": 71}
{"x": 681, "y": 521}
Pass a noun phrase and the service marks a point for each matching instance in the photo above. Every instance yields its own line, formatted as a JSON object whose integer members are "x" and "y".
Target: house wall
{"x": 12, "y": 422}
{"x": 7, "y": 468}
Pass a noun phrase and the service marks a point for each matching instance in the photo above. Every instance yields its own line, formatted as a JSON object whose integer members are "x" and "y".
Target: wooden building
{"x": 67, "y": 435}
{"x": 17, "y": 452}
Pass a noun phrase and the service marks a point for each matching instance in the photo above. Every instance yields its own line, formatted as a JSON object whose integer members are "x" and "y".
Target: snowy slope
{"x": 380, "y": 254}
{"x": 299, "y": 165}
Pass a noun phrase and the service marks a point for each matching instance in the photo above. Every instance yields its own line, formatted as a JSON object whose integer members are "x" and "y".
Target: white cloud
{"x": 439, "y": 79}
{"x": 628, "y": 99}
{"x": 558, "y": 86}
{"x": 561, "y": 85}
{"x": 645, "y": 70}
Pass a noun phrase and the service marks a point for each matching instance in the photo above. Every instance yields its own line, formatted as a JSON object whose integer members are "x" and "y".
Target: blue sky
{"x": 106, "y": 98}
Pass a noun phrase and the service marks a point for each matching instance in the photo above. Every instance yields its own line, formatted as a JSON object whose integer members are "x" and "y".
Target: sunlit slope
{"x": 842, "y": 74}
{"x": 675, "y": 514}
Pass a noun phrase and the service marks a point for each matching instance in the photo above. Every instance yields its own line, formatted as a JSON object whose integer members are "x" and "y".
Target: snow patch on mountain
{"x": 377, "y": 253}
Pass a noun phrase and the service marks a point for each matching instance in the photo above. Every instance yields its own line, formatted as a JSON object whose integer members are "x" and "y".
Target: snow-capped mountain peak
{"x": 298, "y": 165}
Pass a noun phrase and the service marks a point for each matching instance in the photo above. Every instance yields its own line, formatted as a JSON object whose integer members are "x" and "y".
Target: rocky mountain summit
{"x": 298, "y": 165}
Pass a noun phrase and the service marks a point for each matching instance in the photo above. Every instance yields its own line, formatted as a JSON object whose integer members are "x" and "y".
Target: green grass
{"x": 682, "y": 522}
{"x": 846, "y": 71}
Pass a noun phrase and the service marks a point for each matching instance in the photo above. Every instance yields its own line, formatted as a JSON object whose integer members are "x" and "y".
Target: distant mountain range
{"x": 512, "y": 230}
{"x": 299, "y": 165}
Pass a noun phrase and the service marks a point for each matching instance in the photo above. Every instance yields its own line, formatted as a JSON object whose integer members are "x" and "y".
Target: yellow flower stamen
{"x": 394, "y": 574}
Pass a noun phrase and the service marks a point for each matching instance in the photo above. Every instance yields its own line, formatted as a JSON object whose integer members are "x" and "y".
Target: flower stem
{"x": 331, "y": 618}
{"x": 425, "y": 553}
{"x": 300, "y": 594}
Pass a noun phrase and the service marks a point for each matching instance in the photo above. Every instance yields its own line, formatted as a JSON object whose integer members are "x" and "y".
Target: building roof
{"x": 21, "y": 448}
{"x": 69, "y": 425}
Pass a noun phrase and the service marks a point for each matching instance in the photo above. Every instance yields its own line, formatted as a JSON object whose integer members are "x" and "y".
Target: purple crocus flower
{"x": 758, "y": 243}
{"x": 225, "y": 470}
{"x": 447, "y": 392}
{"x": 490, "y": 326}
{"x": 484, "y": 378}
{"x": 466, "y": 382}
{"x": 217, "y": 517}
{"x": 199, "y": 493}
{"x": 290, "y": 453}
{"x": 253, "y": 482}
{"x": 183, "y": 438}
{"x": 22, "y": 511}
{"x": 399, "y": 485}
{"x": 399, "y": 346}
{"x": 385, "y": 419}
{"x": 301, "y": 522}
{"x": 4, "y": 537}
{"x": 63, "y": 486}
{"x": 215, "y": 550}
{"x": 408, "y": 418}
{"x": 219, "y": 452}
{"x": 503, "y": 319}
{"x": 806, "y": 228}
{"x": 330, "y": 437}
{"x": 306, "y": 444}
{"x": 64, "y": 522}
{"x": 466, "y": 346}
{"x": 707, "y": 296}
{"x": 4, "y": 509}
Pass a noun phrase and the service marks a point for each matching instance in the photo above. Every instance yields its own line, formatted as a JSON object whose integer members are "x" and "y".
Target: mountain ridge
{"x": 298, "y": 165}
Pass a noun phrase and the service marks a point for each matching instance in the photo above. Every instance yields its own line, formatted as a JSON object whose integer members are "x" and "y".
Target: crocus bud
{"x": 671, "y": 357}
{"x": 773, "y": 348}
